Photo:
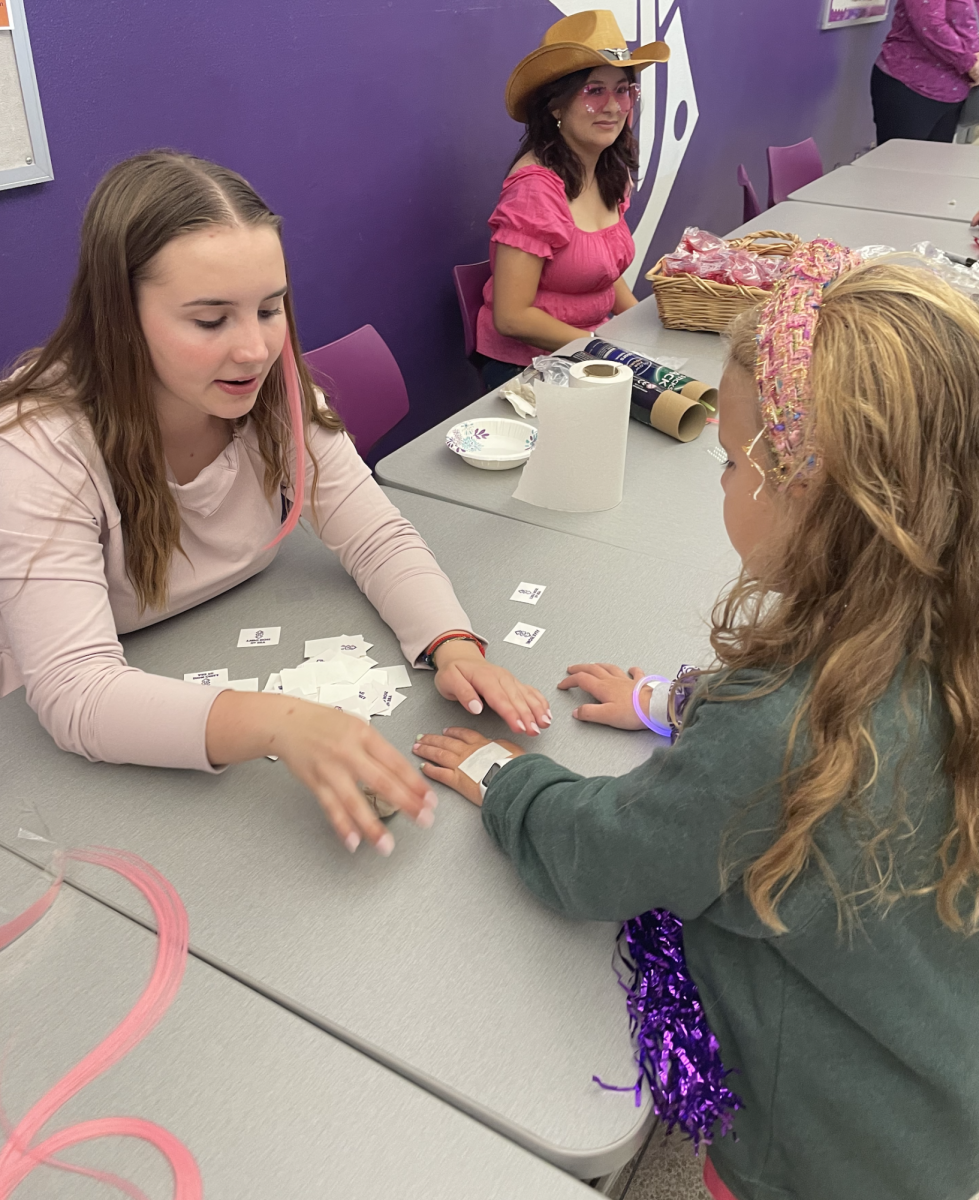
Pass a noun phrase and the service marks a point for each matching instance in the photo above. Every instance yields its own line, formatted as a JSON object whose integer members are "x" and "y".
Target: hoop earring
{"x": 749, "y": 450}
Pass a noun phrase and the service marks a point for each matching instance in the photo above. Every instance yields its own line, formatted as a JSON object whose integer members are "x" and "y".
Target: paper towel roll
{"x": 578, "y": 463}
{"x": 596, "y": 373}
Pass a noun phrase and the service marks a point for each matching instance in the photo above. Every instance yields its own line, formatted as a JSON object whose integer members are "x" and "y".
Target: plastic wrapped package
{"x": 552, "y": 368}
{"x": 699, "y": 241}
{"x": 957, "y": 271}
{"x": 710, "y": 257}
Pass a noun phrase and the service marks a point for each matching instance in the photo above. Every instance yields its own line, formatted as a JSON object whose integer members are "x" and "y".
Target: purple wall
{"x": 377, "y": 128}
{"x": 765, "y": 74}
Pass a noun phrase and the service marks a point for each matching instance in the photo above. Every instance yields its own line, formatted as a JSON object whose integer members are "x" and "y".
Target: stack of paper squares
{"x": 339, "y": 672}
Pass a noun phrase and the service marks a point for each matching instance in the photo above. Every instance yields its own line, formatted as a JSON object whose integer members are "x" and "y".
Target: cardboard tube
{"x": 703, "y": 393}
{"x": 678, "y": 415}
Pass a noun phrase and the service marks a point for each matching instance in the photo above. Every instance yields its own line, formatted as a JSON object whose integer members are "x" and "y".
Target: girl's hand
{"x": 444, "y": 754}
{"x": 329, "y": 751}
{"x": 464, "y": 675}
{"x": 612, "y": 688}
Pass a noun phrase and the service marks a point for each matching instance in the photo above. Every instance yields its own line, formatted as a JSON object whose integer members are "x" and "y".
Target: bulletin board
{"x": 839, "y": 14}
{"x": 24, "y": 154}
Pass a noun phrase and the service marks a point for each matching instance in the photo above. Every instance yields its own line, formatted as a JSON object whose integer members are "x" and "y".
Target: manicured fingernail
{"x": 546, "y": 719}
{"x": 416, "y": 745}
{"x": 475, "y": 706}
{"x": 430, "y": 800}
{"x": 384, "y": 845}
{"x": 419, "y": 736}
{"x": 352, "y": 841}
{"x": 425, "y": 818}
{"x": 522, "y": 727}
{"x": 533, "y": 726}
{"x": 574, "y": 713}
{"x": 549, "y": 716}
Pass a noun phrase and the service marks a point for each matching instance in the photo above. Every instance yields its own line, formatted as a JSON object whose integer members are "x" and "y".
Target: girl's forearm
{"x": 245, "y": 725}
{"x": 536, "y": 328}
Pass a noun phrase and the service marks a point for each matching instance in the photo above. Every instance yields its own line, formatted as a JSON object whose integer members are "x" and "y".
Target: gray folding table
{"x": 939, "y": 158}
{"x": 662, "y": 476}
{"x": 671, "y": 502}
{"x": 882, "y": 189}
{"x": 436, "y": 961}
{"x": 268, "y": 1105}
{"x": 858, "y": 227}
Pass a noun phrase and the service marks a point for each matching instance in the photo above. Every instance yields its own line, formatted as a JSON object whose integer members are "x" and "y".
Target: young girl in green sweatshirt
{"x": 816, "y": 824}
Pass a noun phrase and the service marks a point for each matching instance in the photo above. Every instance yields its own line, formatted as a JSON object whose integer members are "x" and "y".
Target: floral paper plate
{"x": 493, "y": 443}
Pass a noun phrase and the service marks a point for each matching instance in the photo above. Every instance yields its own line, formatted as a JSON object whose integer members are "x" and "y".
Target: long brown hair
{"x": 97, "y": 359}
{"x": 616, "y": 163}
{"x": 878, "y": 573}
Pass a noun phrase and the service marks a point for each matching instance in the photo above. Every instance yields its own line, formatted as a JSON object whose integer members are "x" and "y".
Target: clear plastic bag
{"x": 553, "y": 369}
{"x": 710, "y": 257}
{"x": 25, "y": 829}
{"x": 958, "y": 274}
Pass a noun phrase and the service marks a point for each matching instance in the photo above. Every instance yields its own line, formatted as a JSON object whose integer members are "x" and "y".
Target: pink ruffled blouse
{"x": 580, "y": 267}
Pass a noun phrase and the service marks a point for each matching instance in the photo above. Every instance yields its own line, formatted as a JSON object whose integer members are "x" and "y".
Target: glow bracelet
{"x": 660, "y": 727}
{"x": 22, "y": 1153}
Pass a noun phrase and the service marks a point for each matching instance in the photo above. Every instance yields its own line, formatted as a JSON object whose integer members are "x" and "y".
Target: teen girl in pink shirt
{"x": 560, "y": 242}
{"x": 148, "y": 462}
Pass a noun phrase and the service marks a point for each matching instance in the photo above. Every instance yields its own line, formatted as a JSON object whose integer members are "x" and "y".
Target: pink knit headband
{"x": 785, "y": 332}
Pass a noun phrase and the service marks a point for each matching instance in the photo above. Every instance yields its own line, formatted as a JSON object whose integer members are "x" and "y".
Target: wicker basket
{"x": 689, "y": 302}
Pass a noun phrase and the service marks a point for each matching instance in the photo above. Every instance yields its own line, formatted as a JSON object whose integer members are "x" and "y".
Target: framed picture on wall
{"x": 837, "y": 14}
{"x": 24, "y": 154}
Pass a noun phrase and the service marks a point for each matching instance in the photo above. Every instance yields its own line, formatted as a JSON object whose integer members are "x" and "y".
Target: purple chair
{"x": 790, "y": 168}
{"x": 751, "y": 206}
{"x": 363, "y": 383}
{"x": 470, "y": 279}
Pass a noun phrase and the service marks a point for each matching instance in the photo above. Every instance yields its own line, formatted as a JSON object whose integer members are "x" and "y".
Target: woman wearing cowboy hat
{"x": 560, "y": 242}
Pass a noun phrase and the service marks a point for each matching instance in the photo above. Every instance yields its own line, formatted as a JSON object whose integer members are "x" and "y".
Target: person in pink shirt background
{"x": 927, "y": 65}
{"x": 148, "y": 463}
{"x": 560, "y": 243}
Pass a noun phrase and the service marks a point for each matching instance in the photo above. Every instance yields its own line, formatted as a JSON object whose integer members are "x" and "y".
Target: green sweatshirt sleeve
{"x": 608, "y": 848}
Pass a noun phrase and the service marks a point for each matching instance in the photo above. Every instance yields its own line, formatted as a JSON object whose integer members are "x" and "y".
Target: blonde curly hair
{"x": 879, "y": 572}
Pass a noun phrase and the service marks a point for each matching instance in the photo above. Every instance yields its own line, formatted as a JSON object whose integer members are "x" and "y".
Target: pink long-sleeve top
{"x": 65, "y": 595}
{"x": 580, "y": 266}
{"x": 932, "y": 46}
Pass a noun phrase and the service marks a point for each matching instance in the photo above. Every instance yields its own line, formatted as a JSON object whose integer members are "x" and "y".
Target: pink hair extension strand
{"x": 297, "y": 419}
{"x": 18, "y": 1157}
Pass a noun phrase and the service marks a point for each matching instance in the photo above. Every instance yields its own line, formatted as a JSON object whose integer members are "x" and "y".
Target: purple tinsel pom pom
{"x": 675, "y": 1050}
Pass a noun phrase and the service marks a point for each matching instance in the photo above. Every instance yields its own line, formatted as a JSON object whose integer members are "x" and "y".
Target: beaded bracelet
{"x": 428, "y": 658}
{"x": 680, "y": 690}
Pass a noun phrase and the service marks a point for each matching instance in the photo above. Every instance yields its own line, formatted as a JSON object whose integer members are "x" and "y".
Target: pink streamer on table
{"x": 18, "y": 1156}
{"x": 298, "y": 421}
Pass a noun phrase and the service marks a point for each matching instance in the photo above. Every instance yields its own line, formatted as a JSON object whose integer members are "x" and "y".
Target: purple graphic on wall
{"x": 377, "y": 129}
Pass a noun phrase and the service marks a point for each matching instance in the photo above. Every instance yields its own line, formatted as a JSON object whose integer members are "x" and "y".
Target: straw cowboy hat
{"x": 586, "y": 39}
